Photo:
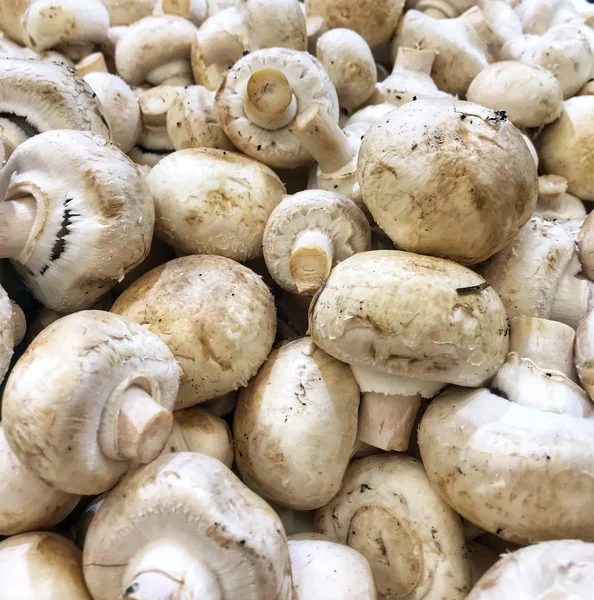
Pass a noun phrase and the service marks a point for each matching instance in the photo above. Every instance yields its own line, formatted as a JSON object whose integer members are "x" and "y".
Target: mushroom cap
{"x": 216, "y": 316}
{"x": 337, "y": 569}
{"x": 210, "y": 201}
{"x": 56, "y": 400}
{"x": 313, "y": 210}
{"x": 584, "y": 353}
{"x": 564, "y": 146}
{"x": 412, "y": 315}
{"x": 128, "y": 12}
{"x": 295, "y": 426}
{"x": 374, "y": 20}
{"x": 41, "y": 565}
{"x": 310, "y": 84}
{"x": 405, "y": 85}
{"x": 498, "y": 463}
{"x": 388, "y": 511}
{"x": 6, "y": 333}
{"x": 563, "y": 568}
{"x": 49, "y": 96}
{"x": 437, "y": 177}
{"x": 530, "y": 95}
{"x": 94, "y": 218}
{"x": 11, "y": 13}
{"x": 586, "y": 246}
{"x": 201, "y": 506}
{"x": 371, "y": 113}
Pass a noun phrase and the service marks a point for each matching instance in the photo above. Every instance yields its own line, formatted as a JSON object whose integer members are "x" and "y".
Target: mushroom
{"x": 19, "y": 323}
{"x": 186, "y": 527}
{"x": 369, "y": 114}
{"x": 80, "y": 416}
{"x": 584, "y": 353}
{"x": 585, "y": 243}
{"x": 554, "y": 202}
{"x": 154, "y": 104}
{"x": 561, "y": 142}
{"x": 197, "y": 430}
{"x": 337, "y": 569}
{"x": 210, "y": 201}
{"x": 538, "y": 16}
{"x": 7, "y": 331}
{"x": 388, "y": 511}
{"x": 77, "y": 216}
{"x": 129, "y": 11}
{"x": 192, "y": 122}
{"x": 11, "y": 136}
{"x": 195, "y": 11}
{"x": 93, "y": 63}
{"x": 295, "y": 426}
{"x": 216, "y": 315}
{"x": 349, "y": 62}
{"x": 261, "y": 96}
{"x": 308, "y": 233}
{"x": 41, "y": 565}
{"x": 441, "y": 9}
{"x": 435, "y": 166}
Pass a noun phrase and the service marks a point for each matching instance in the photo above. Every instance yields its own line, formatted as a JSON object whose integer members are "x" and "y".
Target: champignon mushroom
{"x": 79, "y": 416}
{"x": 77, "y": 216}
{"x": 308, "y": 233}
{"x": 585, "y": 243}
{"x": 435, "y": 166}
{"x": 295, "y": 426}
{"x": 195, "y": 11}
{"x": 388, "y": 511}
{"x": 7, "y": 332}
{"x": 584, "y": 353}
{"x": 154, "y": 104}
{"x": 41, "y": 565}
{"x": 216, "y": 315}
{"x": 93, "y": 63}
{"x": 554, "y": 202}
{"x": 129, "y": 11}
{"x": 212, "y": 201}
{"x": 538, "y": 16}
{"x": 185, "y": 526}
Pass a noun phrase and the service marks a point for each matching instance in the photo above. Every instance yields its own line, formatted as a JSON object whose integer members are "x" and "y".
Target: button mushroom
{"x": 584, "y": 353}
{"x": 554, "y": 202}
{"x": 154, "y": 104}
{"x": 129, "y": 11}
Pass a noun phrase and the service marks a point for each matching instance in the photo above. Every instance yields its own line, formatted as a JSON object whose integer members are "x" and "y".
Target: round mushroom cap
{"x": 411, "y": 315}
{"x": 292, "y": 443}
{"x": 59, "y": 396}
{"x": 437, "y": 177}
{"x": 6, "y": 333}
{"x": 217, "y": 317}
{"x": 128, "y": 12}
{"x": 310, "y": 84}
{"x": 193, "y": 507}
{"x": 313, "y": 210}
{"x": 530, "y": 95}
{"x": 564, "y": 146}
{"x": 41, "y": 565}
{"x": 94, "y": 218}
{"x": 210, "y": 201}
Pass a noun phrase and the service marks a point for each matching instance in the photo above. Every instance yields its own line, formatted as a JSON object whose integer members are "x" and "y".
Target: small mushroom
{"x": 186, "y": 527}
{"x": 554, "y": 202}
{"x": 129, "y": 11}
{"x": 93, "y": 63}
{"x": 295, "y": 426}
{"x": 154, "y": 104}
{"x": 217, "y": 316}
{"x": 388, "y": 511}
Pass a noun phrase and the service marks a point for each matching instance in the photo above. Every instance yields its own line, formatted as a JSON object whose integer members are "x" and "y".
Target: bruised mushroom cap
{"x": 94, "y": 216}
{"x": 62, "y": 409}
{"x": 389, "y": 512}
{"x": 310, "y": 85}
{"x": 210, "y": 201}
{"x": 126, "y": 13}
{"x": 411, "y": 315}
{"x": 563, "y": 569}
{"x": 335, "y": 568}
{"x": 49, "y": 96}
{"x": 217, "y": 316}
{"x": 186, "y": 520}
{"x": 296, "y": 413}
{"x": 41, "y": 565}
{"x": 332, "y": 216}
{"x": 564, "y": 146}
{"x": 530, "y": 95}
{"x": 6, "y": 333}
{"x": 151, "y": 43}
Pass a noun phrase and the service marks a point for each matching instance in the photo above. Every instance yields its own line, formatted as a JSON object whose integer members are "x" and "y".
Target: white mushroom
{"x": 93, "y": 63}
{"x": 584, "y": 353}
{"x": 128, "y": 11}
{"x": 554, "y": 202}
{"x": 154, "y": 104}
{"x": 585, "y": 243}
{"x": 7, "y": 332}
{"x": 441, "y": 9}
{"x": 11, "y": 135}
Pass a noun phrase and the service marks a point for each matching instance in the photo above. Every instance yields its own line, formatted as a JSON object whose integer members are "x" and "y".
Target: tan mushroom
{"x": 129, "y": 11}
{"x": 154, "y": 103}
{"x": 442, "y": 9}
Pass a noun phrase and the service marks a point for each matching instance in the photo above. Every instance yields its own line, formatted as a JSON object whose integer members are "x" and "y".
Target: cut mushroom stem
{"x": 311, "y": 260}
{"x": 16, "y": 222}
{"x": 92, "y": 63}
{"x": 413, "y": 59}
{"x": 268, "y": 100}
{"x": 323, "y": 138}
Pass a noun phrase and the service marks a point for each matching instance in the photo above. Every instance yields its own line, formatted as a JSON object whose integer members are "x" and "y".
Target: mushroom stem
{"x": 268, "y": 99}
{"x": 218, "y": 47}
{"x": 386, "y": 422}
{"x": 311, "y": 260}
{"x": 413, "y": 59}
{"x": 323, "y": 138}
{"x": 571, "y": 300}
{"x": 16, "y": 222}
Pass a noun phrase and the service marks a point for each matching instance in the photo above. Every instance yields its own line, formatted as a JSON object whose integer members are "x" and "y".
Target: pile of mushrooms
{"x": 299, "y": 299}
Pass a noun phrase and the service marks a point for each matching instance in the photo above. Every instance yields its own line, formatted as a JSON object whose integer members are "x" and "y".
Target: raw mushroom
{"x": 531, "y": 149}
{"x": 19, "y": 323}
{"x": 91, "y": 396}
{"x": 7, "y": 332}
{"x": 388, "y": 511}
{"x": 538, "y": 16}
{"x": 437, "y": 177}
{"x": 41, "y": 565}
{"x": 584, "y": 353}
{"x": 154, "y": 104}
{"x": 310, "y": 232}
{"x": 77, "y": 217}
{"x": 129, "y": 11}
{"x": 217, "y": 316}
{"x": 195, "y": 11}
{"x": 93, "y": 63}
{"x": 554, "y": 202}
{"x": 261, "y": 96}
{"x": 442, "y": 9}
{"x": 585, "y": 243}
{"x": 369, "y": 114}
{"x": 210, "y": 201}
{"x": 186, "y": 527}
{"x": 338, "y": 570}
{"x": 11, "y": 136}
{"x": 295, "y": 426}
